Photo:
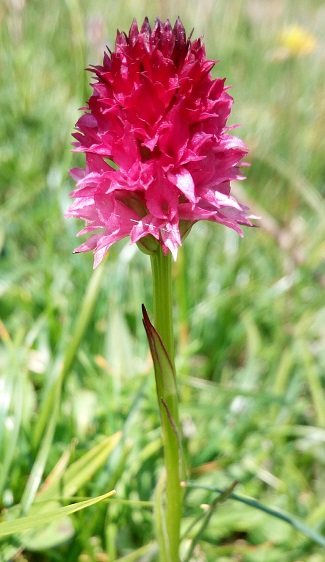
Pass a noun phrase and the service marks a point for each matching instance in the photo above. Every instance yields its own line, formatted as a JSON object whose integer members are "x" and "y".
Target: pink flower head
{"x": 158, "y": 154}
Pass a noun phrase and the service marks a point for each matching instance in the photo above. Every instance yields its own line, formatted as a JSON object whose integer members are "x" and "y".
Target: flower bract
{"x": 159, "y": 155}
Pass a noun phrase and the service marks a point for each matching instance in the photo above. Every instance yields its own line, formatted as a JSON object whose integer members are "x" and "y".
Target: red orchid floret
{"x": 158, "y": 154}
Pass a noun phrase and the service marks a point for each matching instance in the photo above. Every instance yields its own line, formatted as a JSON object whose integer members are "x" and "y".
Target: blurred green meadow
{"x": 78, "y": 412}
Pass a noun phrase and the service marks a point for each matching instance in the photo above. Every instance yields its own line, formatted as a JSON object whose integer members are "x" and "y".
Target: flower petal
{"x": 159, "y": 156}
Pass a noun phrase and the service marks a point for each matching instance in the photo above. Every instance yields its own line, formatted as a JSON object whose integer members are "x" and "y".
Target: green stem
{"x": 168, "y": 406}
{"x": 161, "y": 266}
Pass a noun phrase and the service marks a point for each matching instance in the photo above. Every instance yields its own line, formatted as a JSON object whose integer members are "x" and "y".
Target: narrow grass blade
{"x": 39, "y": 519}
{"x": 15, "y": 391}
{"x": 206, "y": 516}
{"x": 305, "y": 189}
{"x": 71, "y": 349}
{"x": 36, "y": 474}
{"x": 79, "y": 472}
{"x": 315, "y": 384}
{"x": 273, "y": 512}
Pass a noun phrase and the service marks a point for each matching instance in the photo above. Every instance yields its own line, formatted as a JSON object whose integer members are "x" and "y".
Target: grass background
{"x": 250, "y": 313}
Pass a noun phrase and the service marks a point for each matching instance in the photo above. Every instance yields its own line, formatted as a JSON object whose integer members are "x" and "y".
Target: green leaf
{"x": 81, "y": 323}
{"x": 61, "y": 483}
{"x": 164, "y": 372}
{"x": 50, "y": 536}
{"x": 79, "y": 472}
{"x": 39, "y": 519}
{"x": 166, "y": 386}
{"x": 42, "y": 455}
{"x": 273, "y": 512}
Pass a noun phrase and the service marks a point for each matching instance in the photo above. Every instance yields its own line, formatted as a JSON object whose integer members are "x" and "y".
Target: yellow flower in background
{"x": 297, "y": 42}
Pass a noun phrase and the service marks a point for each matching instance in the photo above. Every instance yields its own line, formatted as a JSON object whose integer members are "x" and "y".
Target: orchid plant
{"x": 159, "y": 158}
